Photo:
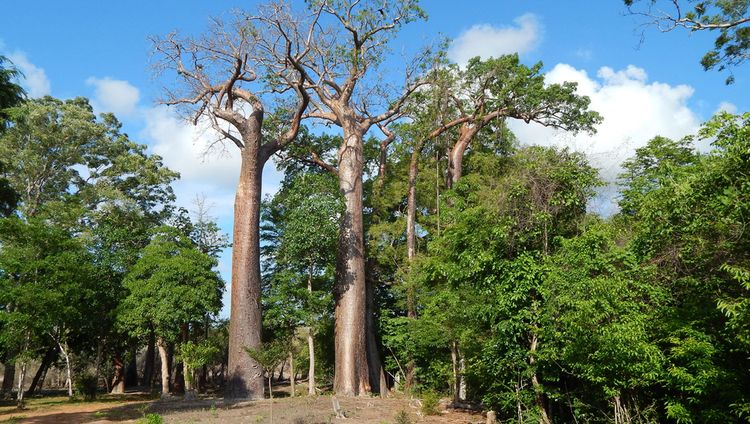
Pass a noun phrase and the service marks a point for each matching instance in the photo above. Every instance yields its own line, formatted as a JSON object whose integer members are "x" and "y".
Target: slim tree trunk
{"x": 411, "y": 247}
{"x": 291, "y": 372}
{"x": 68, "y": 379}
{"x": 164, "y": 359}
{"x": 118, "y": 380}
{"x": 310, "y": 345}
{"x": 351, "y": 376}
{"x": 544, "y": 417}
{"x": 245, "y": 375}
{"x": 456, "y": 374}
{"x": 311, "y": 370}
{"x": 49, "y": 355}
{"x": 21, "y": 378}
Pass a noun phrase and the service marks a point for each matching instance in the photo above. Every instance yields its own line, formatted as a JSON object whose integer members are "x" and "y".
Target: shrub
{"x": 151, "y": 419}
{"x": 402, "y": 417}
{"x": 430, "y": 401}
{"x": 86, "y": 385}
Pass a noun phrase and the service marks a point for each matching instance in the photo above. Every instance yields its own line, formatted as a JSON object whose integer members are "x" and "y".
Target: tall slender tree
{"x": 337, "y": 52}
{"x": 220, "y": 84}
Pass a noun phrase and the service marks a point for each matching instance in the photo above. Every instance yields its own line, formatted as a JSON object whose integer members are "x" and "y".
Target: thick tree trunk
{"x": 351, "y": 376}
{"x": 9, "y": 377}
{"x": 49, "y": 355}
{"x": 149, "y": 361}
{"x": 456, "y": 154}
{"x": 118, "y": 380}
{"x": 164, "y": 359}
{"x": 245, "y": 375}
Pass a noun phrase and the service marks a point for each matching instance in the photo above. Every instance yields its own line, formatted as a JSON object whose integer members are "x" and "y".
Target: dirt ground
{"x": 297, "y": 410}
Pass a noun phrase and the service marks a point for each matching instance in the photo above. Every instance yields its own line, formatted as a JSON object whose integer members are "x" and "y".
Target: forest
{"x": 415, "y": 249}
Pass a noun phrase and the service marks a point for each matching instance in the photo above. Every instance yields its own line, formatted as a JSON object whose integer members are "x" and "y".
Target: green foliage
{"x": 430, "y": 401}
{"x": 729, "y": 19}
{"x": 151, "y": 419}
{"x": 86, "y": 385}
{"x": 172, "y": 283}
{"x": 402, "y": 417}
{"x": 195, "y": 355}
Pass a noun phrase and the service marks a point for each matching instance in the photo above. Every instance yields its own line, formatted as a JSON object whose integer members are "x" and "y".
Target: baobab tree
{"x": 221, "y": 82}
{"x": 339, "y": 61}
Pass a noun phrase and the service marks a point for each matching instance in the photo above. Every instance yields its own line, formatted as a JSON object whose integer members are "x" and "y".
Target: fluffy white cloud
{"x": 34, "y": 79}
{"x": 634, "y": 111}
{"x": 491, "y": 41}
{"x": 116, "y": 96}
{"x": 206, "y": 164}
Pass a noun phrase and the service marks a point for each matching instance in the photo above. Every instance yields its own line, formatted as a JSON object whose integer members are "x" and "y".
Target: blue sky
{"x": 644, "y": 82}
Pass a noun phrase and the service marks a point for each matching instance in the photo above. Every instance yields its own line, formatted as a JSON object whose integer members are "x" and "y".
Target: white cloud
{"x": 34, "y": 79}
{"x": 726, "y": 107}
{"x": 491, "y": 41}
{"x": 116, "y": 96}
{"x": 205, "y": 163}
{"x": 634, "y": 111}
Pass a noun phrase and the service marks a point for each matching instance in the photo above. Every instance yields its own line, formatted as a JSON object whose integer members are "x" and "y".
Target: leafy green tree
{"x": 48, "y": 284}
{"x": 11, "y": 94}
{"x": 729, "y": 18}
{"x": 301, "y": 262}
{"x": 172, "y": 284}
{"x": 690, "y": 226}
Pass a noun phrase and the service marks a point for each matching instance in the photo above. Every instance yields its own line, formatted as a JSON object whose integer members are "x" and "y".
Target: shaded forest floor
{"x": 295, "y": 410}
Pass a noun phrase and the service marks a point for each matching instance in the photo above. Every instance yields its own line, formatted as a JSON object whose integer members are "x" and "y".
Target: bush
{"x": 86, "y": 385}
{"x": 402, "y": 417}
{"x": 430, "y": 401}
{"x": 151, "y": 419}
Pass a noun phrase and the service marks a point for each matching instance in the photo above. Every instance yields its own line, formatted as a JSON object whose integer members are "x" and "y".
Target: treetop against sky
{"x": 644, "y": 83}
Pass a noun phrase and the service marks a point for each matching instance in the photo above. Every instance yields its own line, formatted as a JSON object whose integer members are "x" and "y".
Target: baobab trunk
{"x": 164, "y": 359}
{"x": 245, "y": 375}
{"x": 351, "y": 369}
